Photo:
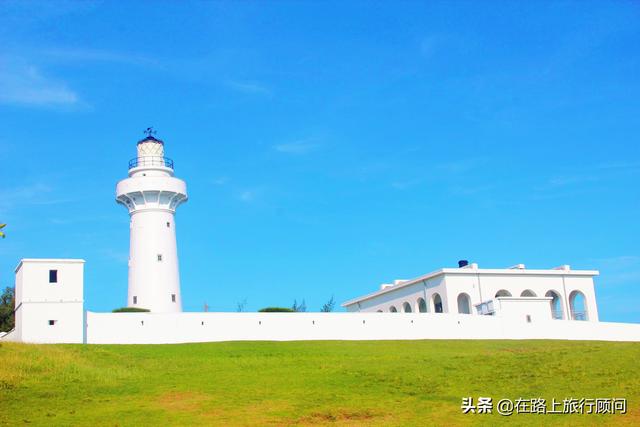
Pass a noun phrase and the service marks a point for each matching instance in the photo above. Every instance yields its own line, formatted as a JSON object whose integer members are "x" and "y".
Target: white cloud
{"x": 249, "y": 87}
{"x": 302, "y": 146}
{"x": 403, "y": 185}
{"x": 9, "y": 197}
{"x": 247, "y": 196}
{"x": 120, "y": 257}
{"x": 95, "y": 55}
{"x": 471, "y": 190}
{"x": 561, "y": 181}
{"x": 26, "y": 85}
{"x": 460, "y": 166}
{"x": 428, "y": 45}
{"x": 34, "y": 194}
{"x": 619, "y": 270}
{"x": 620, "y": 166}
{"x": 222, "y": 180}
{"x": 87, "y": 219}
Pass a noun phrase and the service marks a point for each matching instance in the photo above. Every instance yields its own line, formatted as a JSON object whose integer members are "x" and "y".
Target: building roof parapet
{"x": 476, "y": 271}
{"x": 49, "y": 260}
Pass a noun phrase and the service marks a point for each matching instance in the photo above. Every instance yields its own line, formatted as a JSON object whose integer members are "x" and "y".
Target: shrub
{"x": 7, "y": 312}
{"x": 130, "y": 310}
{"x": 276, "y": 310}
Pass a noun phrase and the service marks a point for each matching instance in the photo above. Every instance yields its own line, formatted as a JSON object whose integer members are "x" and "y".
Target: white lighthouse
{"x": 152, "y": 194}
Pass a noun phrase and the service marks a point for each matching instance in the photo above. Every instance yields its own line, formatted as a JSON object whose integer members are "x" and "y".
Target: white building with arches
{"x": 516, "y": 292}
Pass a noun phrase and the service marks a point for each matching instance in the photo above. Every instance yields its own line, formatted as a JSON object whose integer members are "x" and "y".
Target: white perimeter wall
{"x": 160, "y": 328}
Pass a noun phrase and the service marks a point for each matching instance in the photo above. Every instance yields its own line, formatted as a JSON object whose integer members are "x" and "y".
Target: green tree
{"x": 7, "y": 304}
{"x": 241, "y": 305}
{"x": 328, "y": 307}
{"x": 299, "y": 307}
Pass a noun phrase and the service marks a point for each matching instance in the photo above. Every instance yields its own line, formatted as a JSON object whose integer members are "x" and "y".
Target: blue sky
{"x": 327, "y": 147}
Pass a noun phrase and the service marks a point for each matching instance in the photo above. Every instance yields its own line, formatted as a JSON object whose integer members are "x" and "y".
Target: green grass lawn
{"x": 289, "y": 383}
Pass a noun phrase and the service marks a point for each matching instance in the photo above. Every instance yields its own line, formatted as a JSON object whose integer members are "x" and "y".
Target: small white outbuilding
{"x": 49, "y": 305}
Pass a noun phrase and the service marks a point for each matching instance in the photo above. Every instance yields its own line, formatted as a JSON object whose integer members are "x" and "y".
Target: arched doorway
{"x": 528, "y": 293}
{"x": 422, "y": 305}
{"x": 503, "y": 293}
{"x": 437, "y": 303}
{"x": 556, "y": 305}
{"x": 464, "y": 304}
{"x": 578, "y": 306}
{"x": 392, "y": 309}
{"x": 406, "y": 307}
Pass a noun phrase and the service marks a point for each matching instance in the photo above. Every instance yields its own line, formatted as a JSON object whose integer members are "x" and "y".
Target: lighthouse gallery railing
{"x": 150, "y": 161}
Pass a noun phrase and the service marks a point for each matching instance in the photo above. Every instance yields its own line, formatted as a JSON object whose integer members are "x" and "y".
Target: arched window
{"x": 578, "y": 306}
{"x": 422, "y": 305}
{"x": 528, "y": 293}
{"x": 556, "y": 305}
{"x": 503, "y": 293}
{"x": 464, "y": 304}
{"x": 392, "y": 309}
{"x": 406, "y": 307}
{"x": 379, "y": 311}
{"x": 437, "y": 303}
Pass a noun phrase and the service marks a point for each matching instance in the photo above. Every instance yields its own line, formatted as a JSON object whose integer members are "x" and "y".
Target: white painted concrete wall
{"x": 166, "y": 328}
{"x": 38, "y": 301}
{"x": 67, "y": 327}
{"x": 154, "y": 283}
{"x": 518, "y": 308}
{"x": 32, "y": 280}
{"x": 159, "y": 328}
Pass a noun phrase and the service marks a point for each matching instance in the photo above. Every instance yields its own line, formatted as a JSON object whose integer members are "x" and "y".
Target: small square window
{"x": 135, "y": 299}
{"x": 168, "y": 225}
{"x": 173, "y": 297}
{"x": 52, "y": 322}
{"x": 159, "y": 257}
{"x": 53, "y": 276}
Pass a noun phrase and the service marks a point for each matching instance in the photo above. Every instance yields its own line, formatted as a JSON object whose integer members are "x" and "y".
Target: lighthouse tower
{"x": 152, "y": 194}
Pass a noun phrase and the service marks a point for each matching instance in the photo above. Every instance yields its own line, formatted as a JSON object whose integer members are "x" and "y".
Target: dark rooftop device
{"x": 150, "y": 131}
{"x": 463, "y": 263}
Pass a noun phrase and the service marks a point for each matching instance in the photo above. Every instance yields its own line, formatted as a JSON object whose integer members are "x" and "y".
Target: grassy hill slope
{"x": 341, "y": 383}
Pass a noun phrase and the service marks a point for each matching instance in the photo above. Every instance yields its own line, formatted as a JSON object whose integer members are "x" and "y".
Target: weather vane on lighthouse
{"x": 150, "y": 131}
